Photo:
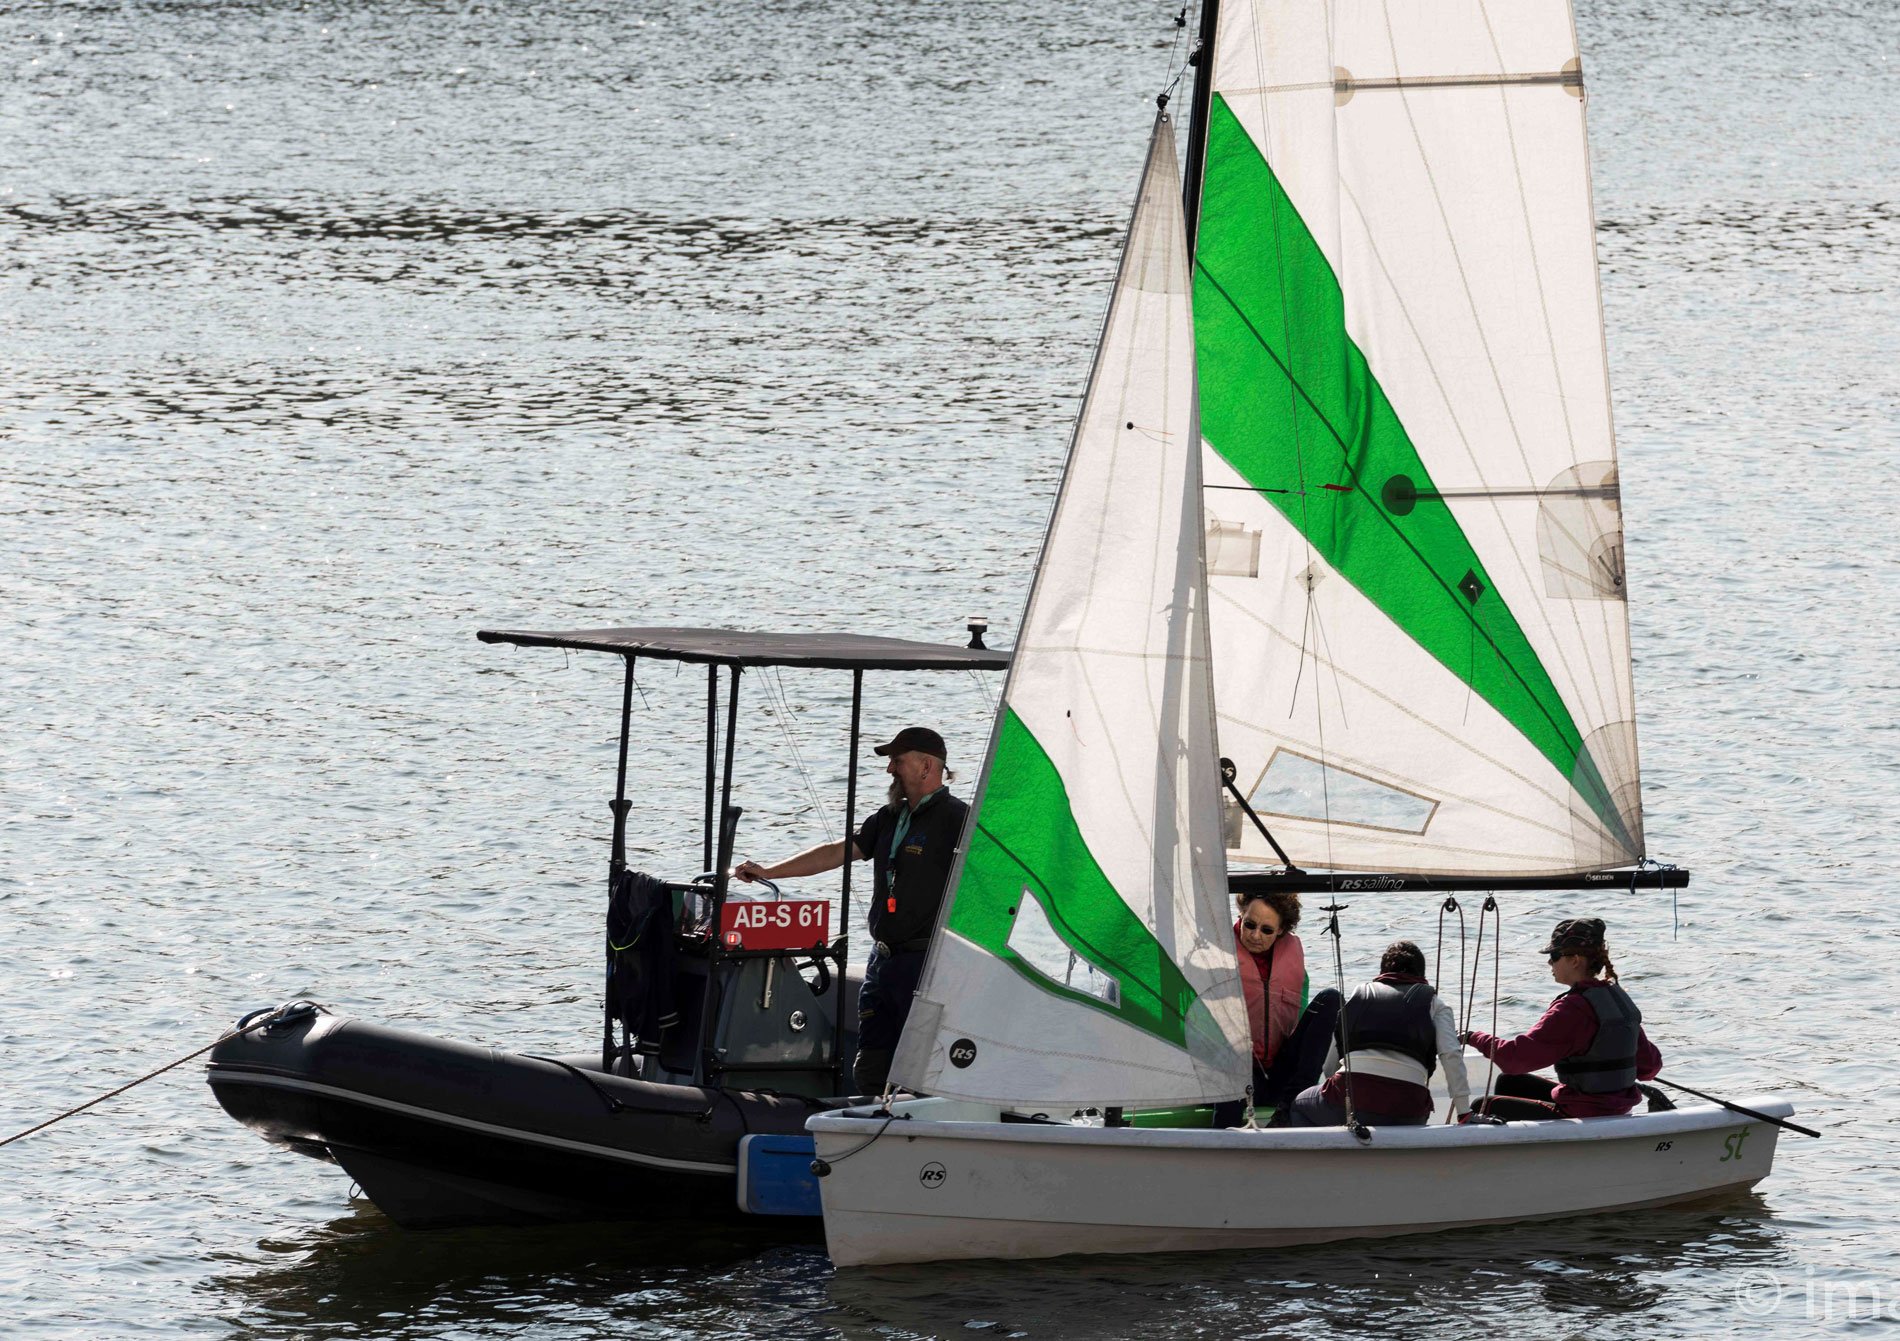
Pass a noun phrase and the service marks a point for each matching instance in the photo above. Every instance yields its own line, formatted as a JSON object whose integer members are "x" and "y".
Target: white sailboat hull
{"x": 936, "y": 1185}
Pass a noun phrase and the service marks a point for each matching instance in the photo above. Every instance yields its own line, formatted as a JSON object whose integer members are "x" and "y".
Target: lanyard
{"x": 898, "y": 831}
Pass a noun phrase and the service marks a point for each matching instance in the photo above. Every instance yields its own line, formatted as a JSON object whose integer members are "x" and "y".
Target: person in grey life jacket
{"x": 1592, "y": 1035}
{"x": 911, "y": 843}
{"x": 1397, "y": 1032}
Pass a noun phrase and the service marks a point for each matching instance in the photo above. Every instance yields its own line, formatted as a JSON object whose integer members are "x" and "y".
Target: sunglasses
{"x": 1260, "y": 926}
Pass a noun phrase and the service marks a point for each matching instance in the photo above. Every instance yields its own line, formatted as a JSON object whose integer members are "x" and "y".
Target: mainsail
{"x": 1415, "y": 548}
{"x": 1084, "y": 955}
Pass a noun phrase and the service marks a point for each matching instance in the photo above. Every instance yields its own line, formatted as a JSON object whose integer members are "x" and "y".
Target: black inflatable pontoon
{"x": 756, "y": 1033}
{"x": 440, "y": 1133}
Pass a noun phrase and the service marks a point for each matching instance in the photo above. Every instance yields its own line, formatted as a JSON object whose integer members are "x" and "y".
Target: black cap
{"x": 919, "y": 738}
{"x": 1574, "y": 935}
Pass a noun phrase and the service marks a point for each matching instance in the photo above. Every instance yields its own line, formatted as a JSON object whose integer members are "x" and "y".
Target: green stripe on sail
{"x": 1288, "y": 401}
{"x": 1025, "y": 835}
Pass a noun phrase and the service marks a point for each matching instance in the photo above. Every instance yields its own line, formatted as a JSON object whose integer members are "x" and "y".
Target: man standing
{"x": 911, "y": 843}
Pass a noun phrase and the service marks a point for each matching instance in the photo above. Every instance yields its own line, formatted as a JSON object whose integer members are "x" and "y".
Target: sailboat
{"x": 1340, "y": 533}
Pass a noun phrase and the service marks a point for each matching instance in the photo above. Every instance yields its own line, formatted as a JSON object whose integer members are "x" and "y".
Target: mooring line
{"x": 276, "y": 1015}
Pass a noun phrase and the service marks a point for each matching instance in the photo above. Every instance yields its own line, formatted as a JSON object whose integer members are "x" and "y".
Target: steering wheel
{"x": 707, "y": 878}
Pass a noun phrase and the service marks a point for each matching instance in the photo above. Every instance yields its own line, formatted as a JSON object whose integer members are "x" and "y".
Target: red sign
{"x": 775, "y": 924}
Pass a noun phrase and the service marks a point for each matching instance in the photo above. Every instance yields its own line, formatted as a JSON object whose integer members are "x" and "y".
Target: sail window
{"x": 1232, "y": 549}
{"x": 1036, "y": 946}
{"x": 1294, "y": 786}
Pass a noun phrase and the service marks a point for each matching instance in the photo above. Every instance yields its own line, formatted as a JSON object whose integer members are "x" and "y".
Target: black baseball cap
{"x": 1574, "y": 934}
{"x": 918, "y": 738}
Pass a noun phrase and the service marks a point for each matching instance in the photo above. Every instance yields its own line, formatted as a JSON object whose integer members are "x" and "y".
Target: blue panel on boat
{"x": 775, "y": 1176}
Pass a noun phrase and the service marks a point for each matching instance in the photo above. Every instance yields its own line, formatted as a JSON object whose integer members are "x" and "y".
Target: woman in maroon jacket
{"x": 1592, "y": 1035}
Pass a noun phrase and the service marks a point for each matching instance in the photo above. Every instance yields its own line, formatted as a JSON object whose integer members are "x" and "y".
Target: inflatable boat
{"x": 440, "y": 1133}
{"x": 727, "y": 1021}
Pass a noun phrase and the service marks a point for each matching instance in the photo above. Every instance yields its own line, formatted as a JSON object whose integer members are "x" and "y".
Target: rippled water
{"x": 335, "y": 332}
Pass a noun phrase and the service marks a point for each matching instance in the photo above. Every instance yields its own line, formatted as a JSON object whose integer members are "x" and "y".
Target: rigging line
{"x": 1450, "y": 905}
{"x": 1470, "y": 992}
{"x": 983, "y": 688}
{"x": 1438, "y": 964}
{"x": 1405, "y": 101}
{"x": 782, "y": 702}
{"x": 1497, "y": 967}
{"x": 1299, "y": 666}
{"x": 1471, "y": 675}
{"x": 1452, "y": 596}
{"x": 290, "y": 1010}
{"x": 1332, "y": 664}
{"x": 821, "y": 1167}
{"x": 811, "y": 783}
{"x": 1180, "y": 26}
{"x": 1353, "y": 1124}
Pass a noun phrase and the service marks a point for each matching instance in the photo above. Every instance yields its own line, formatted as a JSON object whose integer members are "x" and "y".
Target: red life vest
{"x": 1273, "y": 1005}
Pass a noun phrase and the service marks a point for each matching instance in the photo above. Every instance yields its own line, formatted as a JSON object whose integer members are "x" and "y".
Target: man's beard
{"x": 895, "y": 792}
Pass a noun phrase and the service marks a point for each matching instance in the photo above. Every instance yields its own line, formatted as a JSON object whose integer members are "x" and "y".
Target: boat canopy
{"x": 740, "y": 647}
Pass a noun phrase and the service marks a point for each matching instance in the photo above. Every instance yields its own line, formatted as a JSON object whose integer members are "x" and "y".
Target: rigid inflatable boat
{"x": 728, "y": 1021}
{"x": 441, "y": 1133}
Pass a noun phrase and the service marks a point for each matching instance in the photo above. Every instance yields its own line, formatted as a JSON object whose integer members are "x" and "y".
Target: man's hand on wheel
{"x": 748, "y": 871}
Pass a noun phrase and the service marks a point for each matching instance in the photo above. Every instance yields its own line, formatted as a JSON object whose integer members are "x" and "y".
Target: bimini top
{"x": 738, "y": 647}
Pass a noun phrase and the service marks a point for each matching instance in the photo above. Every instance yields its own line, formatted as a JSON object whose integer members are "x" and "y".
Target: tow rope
{"x": 290, "y": 1010}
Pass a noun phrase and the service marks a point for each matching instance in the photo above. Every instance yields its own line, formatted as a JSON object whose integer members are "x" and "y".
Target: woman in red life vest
{"x": 1592, "y": 1035}
{"x": 1290, "y": 1027}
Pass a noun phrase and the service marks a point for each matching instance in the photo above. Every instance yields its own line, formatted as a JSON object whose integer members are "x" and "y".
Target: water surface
{"x": 338, "y": 331}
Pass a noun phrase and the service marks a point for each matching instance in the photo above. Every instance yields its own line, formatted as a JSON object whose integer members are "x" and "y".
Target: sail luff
{"x": 1083, "y": 956}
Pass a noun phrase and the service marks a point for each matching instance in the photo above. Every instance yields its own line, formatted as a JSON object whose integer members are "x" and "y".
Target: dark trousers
{"x": 1296, "y": 1065}
{"x": 1313, "y": 1109}
{"x": 883, "y": 1005}
{"x": 1520, "y": 1099}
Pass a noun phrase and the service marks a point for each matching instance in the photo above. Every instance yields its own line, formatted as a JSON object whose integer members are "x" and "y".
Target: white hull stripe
{"x": 469, "y": 1124}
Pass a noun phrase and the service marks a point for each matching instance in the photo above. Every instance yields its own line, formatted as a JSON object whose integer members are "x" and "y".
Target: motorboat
{"x": 726, "y": 1022}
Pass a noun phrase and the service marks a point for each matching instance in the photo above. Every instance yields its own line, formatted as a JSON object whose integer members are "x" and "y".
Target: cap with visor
{"x": 917, "y": 739}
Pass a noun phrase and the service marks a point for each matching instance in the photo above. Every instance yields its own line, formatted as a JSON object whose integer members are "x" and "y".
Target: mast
{"x": 1202, "y": 60}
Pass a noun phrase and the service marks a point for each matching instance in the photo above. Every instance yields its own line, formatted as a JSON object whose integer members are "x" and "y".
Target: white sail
{"x": 1415, "y": 559}
{"x": 1084, "y": 955}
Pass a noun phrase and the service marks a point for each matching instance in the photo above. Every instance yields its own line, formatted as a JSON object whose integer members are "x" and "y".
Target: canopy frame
{"x": 736, "y": 651}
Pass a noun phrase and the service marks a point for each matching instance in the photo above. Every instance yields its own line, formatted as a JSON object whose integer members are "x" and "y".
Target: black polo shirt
{"x": 906, "y": 910}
